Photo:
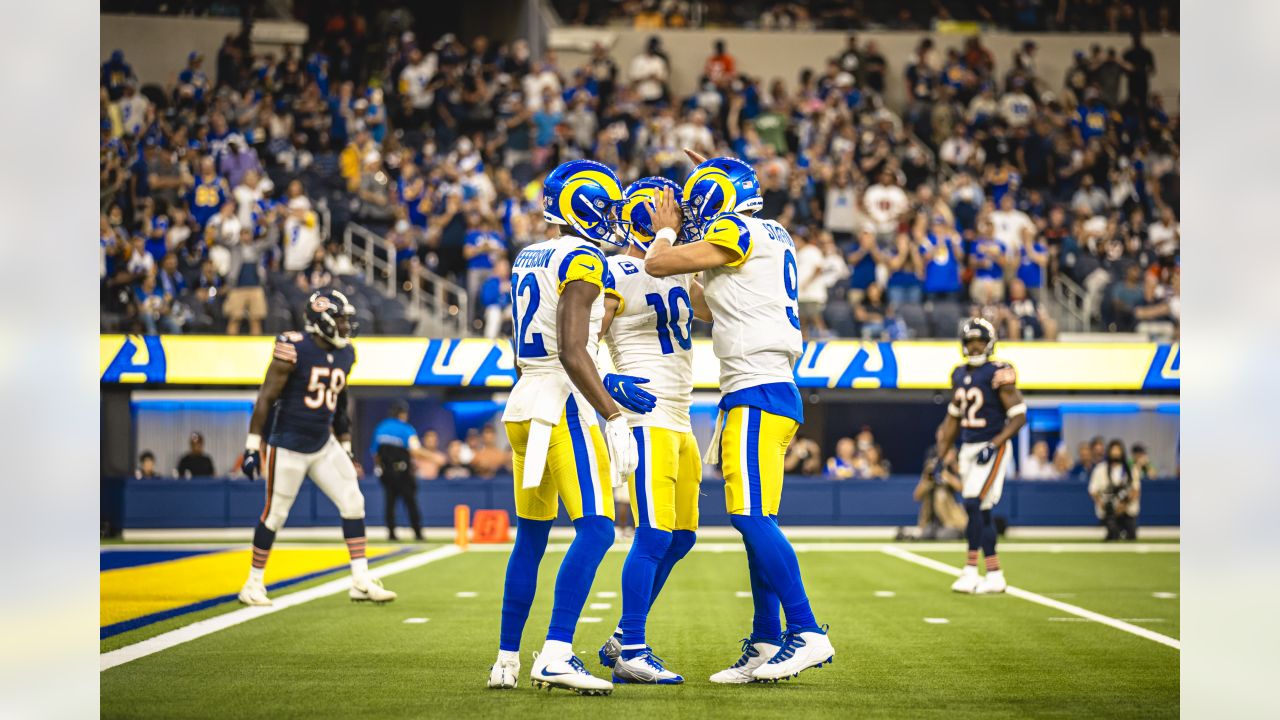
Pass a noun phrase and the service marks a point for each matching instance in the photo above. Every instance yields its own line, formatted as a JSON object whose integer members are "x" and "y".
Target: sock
{"x": 353, "y": 531}
{"x": 617, "y": 632}
{"x": 766, "y": 621}
{"x": 778, "y": 566}
{"x": 522, "y": 579}
{"x": 973, "y": 530}
{"x": 648, "y": 548}
{"x": 556, "y": 649}
{"x": 508, "y": 656}
{"x": 263, "y": 539}
{"x": 573, "y": 582}
{"x": 989, "y": 541}
{"x": 681, "y": 543}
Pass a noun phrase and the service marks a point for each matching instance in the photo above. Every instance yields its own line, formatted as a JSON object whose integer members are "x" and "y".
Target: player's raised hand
{"x": 697, "y": 158}
{"x": 665, "y": 211}
{"x": 624, "y": 390}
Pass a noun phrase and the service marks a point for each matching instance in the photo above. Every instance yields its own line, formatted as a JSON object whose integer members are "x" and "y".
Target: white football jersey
{"x": 651, "y": 337}
{"x": 538, "y": 276}
{"x": 756, "y": 333}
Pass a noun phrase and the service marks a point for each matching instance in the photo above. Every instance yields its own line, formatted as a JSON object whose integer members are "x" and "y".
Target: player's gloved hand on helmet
{"x": 987, "y": 452}
{"x": 625, "y": 391}
{"x": 623, "y": 453}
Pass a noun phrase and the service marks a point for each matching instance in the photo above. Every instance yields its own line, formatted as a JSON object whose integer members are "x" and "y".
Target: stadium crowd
{"x": 223, "y": 195}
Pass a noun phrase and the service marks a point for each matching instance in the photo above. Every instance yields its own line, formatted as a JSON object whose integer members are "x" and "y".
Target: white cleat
{"x": 798, "y": 653}
{"x": 369, "y": 589}
{"x": 753, "y": 656}
{"x": 505, "y": 673}
{"x": 644, "y": 669}
{"x": 567, "y": 673}
{"x": 992, "y": 583}
{"x": 254, "y": 593}
{"x": 968, "y": 581}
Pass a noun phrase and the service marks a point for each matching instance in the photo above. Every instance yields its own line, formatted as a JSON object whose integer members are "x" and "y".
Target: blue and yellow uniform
{"x": 205, "y": 198}
{"x": 577, "y": 462}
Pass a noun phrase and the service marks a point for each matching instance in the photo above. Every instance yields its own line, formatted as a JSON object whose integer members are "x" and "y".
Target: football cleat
{"x": 753, "y": 656}
{"x": 644, "y": 669}
{"x": 610, "y": 651}
{"x": 369, "y": 589}
{"x": 993, "y": 583}
{"x": 799, "y": 652}
{"x": 505, "y": 673}
{"x": 567, "y": 673}
{"x": 968, "y": 581}
{"x": 254, "y": 593}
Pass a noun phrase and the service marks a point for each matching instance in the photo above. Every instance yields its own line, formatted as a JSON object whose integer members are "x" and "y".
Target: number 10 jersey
{"x": 651, "y": 337}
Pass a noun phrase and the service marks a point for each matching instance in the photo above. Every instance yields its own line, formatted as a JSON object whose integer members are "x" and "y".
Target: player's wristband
{"x": 667, "y": 234}
{"x": 253, "y": 442}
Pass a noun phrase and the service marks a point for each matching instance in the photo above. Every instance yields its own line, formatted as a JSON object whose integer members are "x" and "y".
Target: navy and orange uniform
{"x": 302, "y": 418}
{"x": 976, "y": 404}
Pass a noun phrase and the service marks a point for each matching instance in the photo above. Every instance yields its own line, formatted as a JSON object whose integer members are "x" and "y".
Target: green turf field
{"x": 995, "y": 656}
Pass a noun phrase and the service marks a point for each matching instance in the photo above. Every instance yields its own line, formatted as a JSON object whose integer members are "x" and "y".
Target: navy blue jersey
{"x": 977, "y": 399}
{"x": 392, "y": 441}
{"x": 302, "y": 417}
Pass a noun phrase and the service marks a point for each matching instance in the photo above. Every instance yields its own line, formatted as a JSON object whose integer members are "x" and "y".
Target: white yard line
{"x": 199, "y": 629}
{"x": 1041, "y": 599}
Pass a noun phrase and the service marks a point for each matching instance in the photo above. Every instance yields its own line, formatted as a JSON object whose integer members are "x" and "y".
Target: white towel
{"x": 712, "y": 456}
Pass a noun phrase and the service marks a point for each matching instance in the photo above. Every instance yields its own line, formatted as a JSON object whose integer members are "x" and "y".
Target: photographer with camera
{"x": 941, "y": 517}
{"x": 1116, "y": 489}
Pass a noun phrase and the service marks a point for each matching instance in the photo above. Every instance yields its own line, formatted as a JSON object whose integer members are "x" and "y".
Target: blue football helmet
{"x": 721, "y": 185}
{"x": 586, "y": 196}
{"x": 323, "y": 310}
{"x": 642, "y": 193}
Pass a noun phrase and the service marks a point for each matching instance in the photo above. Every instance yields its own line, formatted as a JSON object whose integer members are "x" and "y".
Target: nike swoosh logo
{"x": 557, "y": 674}
{"x": 588, "y": 267}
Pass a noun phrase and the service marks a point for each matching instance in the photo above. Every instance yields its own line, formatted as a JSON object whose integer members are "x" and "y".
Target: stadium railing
{"x": 438, "y": 305}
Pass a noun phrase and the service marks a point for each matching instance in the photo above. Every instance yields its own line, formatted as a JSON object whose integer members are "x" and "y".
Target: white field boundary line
{"x": 800, "y": 547}
{"x": 187, "y": 633}
{"x": 1041, "y": 600}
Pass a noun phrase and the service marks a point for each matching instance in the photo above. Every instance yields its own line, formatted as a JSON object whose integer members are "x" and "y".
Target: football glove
{"x": 251, "y": 463}
{"x": 623, "y": 453}
{"x": 624, "y": 390}
{"x": 987, "y": 452}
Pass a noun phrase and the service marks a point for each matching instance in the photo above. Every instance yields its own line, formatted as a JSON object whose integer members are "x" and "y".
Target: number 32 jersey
{"x": 650, "y": 337}
{"x": 302, "y": 418}
{"x": 539, "y": 274}
{"x": 753, "y": 298}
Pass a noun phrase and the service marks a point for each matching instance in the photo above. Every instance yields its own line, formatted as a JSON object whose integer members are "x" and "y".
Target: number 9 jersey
{"x": 651, "y": 336}
{"x": 753, "y": 298}
{"x": 302, "y": 419}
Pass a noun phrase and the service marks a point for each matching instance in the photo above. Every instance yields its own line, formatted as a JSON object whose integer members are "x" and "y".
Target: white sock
{"x": 508, "y": 656}
{"x": 255, "y": 573}
{"x": 557, "y": 649}
{"x": 970, "y": 570}
{"x": 360, "y": 567}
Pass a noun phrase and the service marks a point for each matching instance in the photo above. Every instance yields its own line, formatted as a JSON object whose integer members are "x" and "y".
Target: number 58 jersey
{"x": 651, "y": 337}
{"x": 302, "y": 418}
{"x": 539, "y": 274}
{"x": 753, "y": 299}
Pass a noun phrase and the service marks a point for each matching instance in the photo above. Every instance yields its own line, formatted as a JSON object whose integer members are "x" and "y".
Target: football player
{"x": 305, "y": 398}
{"x": 751, "y": 285}
{"x": 557, "y": 293}
{"x": 649, "y": 329}
{"x": 986, "y": 411}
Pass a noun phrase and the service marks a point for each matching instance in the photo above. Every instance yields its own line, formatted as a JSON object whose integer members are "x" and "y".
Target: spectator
{"x": 1143, "y": 468}
{"x": 1116, "y": 490}
{"x": 431, "y": 459}
{"x": 841, "y": 466}
{"x": 648, "y": 73}
{"x": 1124, "y": 298}
{"x": 489, "y": 459}
{"x": 146, "y": 466}
{"x": 885, "y": 203}
{"x": 1010, "y": 227}
{"x": 482, "y": 246}
{"x": 238, "y": 160}
{"x": 804, "y": 457}
{"x": 862, "y": 263}
{"x": 720, "y": 67}
{"x": 495, "y": 297}
{"x": 301, "y": 234}
{"x": 870, "y": 465}
{"x": 1038, "y": 465}
{"x": 874, "y": 315}
{"x": 246, "y": 297}
{"x": 155, "y": 308}
{"x": 906, "y": 272}
{"x": 455, "y": 467}
{"x": 942, "y": 253}
{"x": 116, "y": 74}
{"x": 987, "y": 261}
{"x": 1026, "y": 319}
{"x": 195, "y": 463}
{"x": 1062, "y": 461}
{"x": 1083, "y": 467}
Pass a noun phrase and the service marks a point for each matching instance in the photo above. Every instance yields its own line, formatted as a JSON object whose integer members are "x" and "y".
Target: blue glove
{"x": 624, "y": 390}
{"x": 249, "y": 465}
{"x": 987, "y": 452}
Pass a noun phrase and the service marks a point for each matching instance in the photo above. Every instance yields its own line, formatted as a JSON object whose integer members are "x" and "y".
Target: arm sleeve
{"x": 729, "y": 232}
{"x": 586, "y": 264}
{"x": 341, "y": 420}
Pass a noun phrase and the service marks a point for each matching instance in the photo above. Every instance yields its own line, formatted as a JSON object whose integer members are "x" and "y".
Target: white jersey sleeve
{"x": 753, "y": 298}
{"x": 651, "y": 337}
{"x": 538, "y": 275}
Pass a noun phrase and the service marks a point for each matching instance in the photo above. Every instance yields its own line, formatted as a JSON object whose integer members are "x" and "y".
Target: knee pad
{"x": 682, "y": 542}
{"x": 595, "y": 530}
{"x": 653, "y": 543}
{"x": 351, "y": 503}
{"x": 278, "y": 513}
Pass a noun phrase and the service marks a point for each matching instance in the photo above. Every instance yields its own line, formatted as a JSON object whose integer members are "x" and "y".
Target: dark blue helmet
{"x": 323, "y": 311}
{"x": 978, "y": 329}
